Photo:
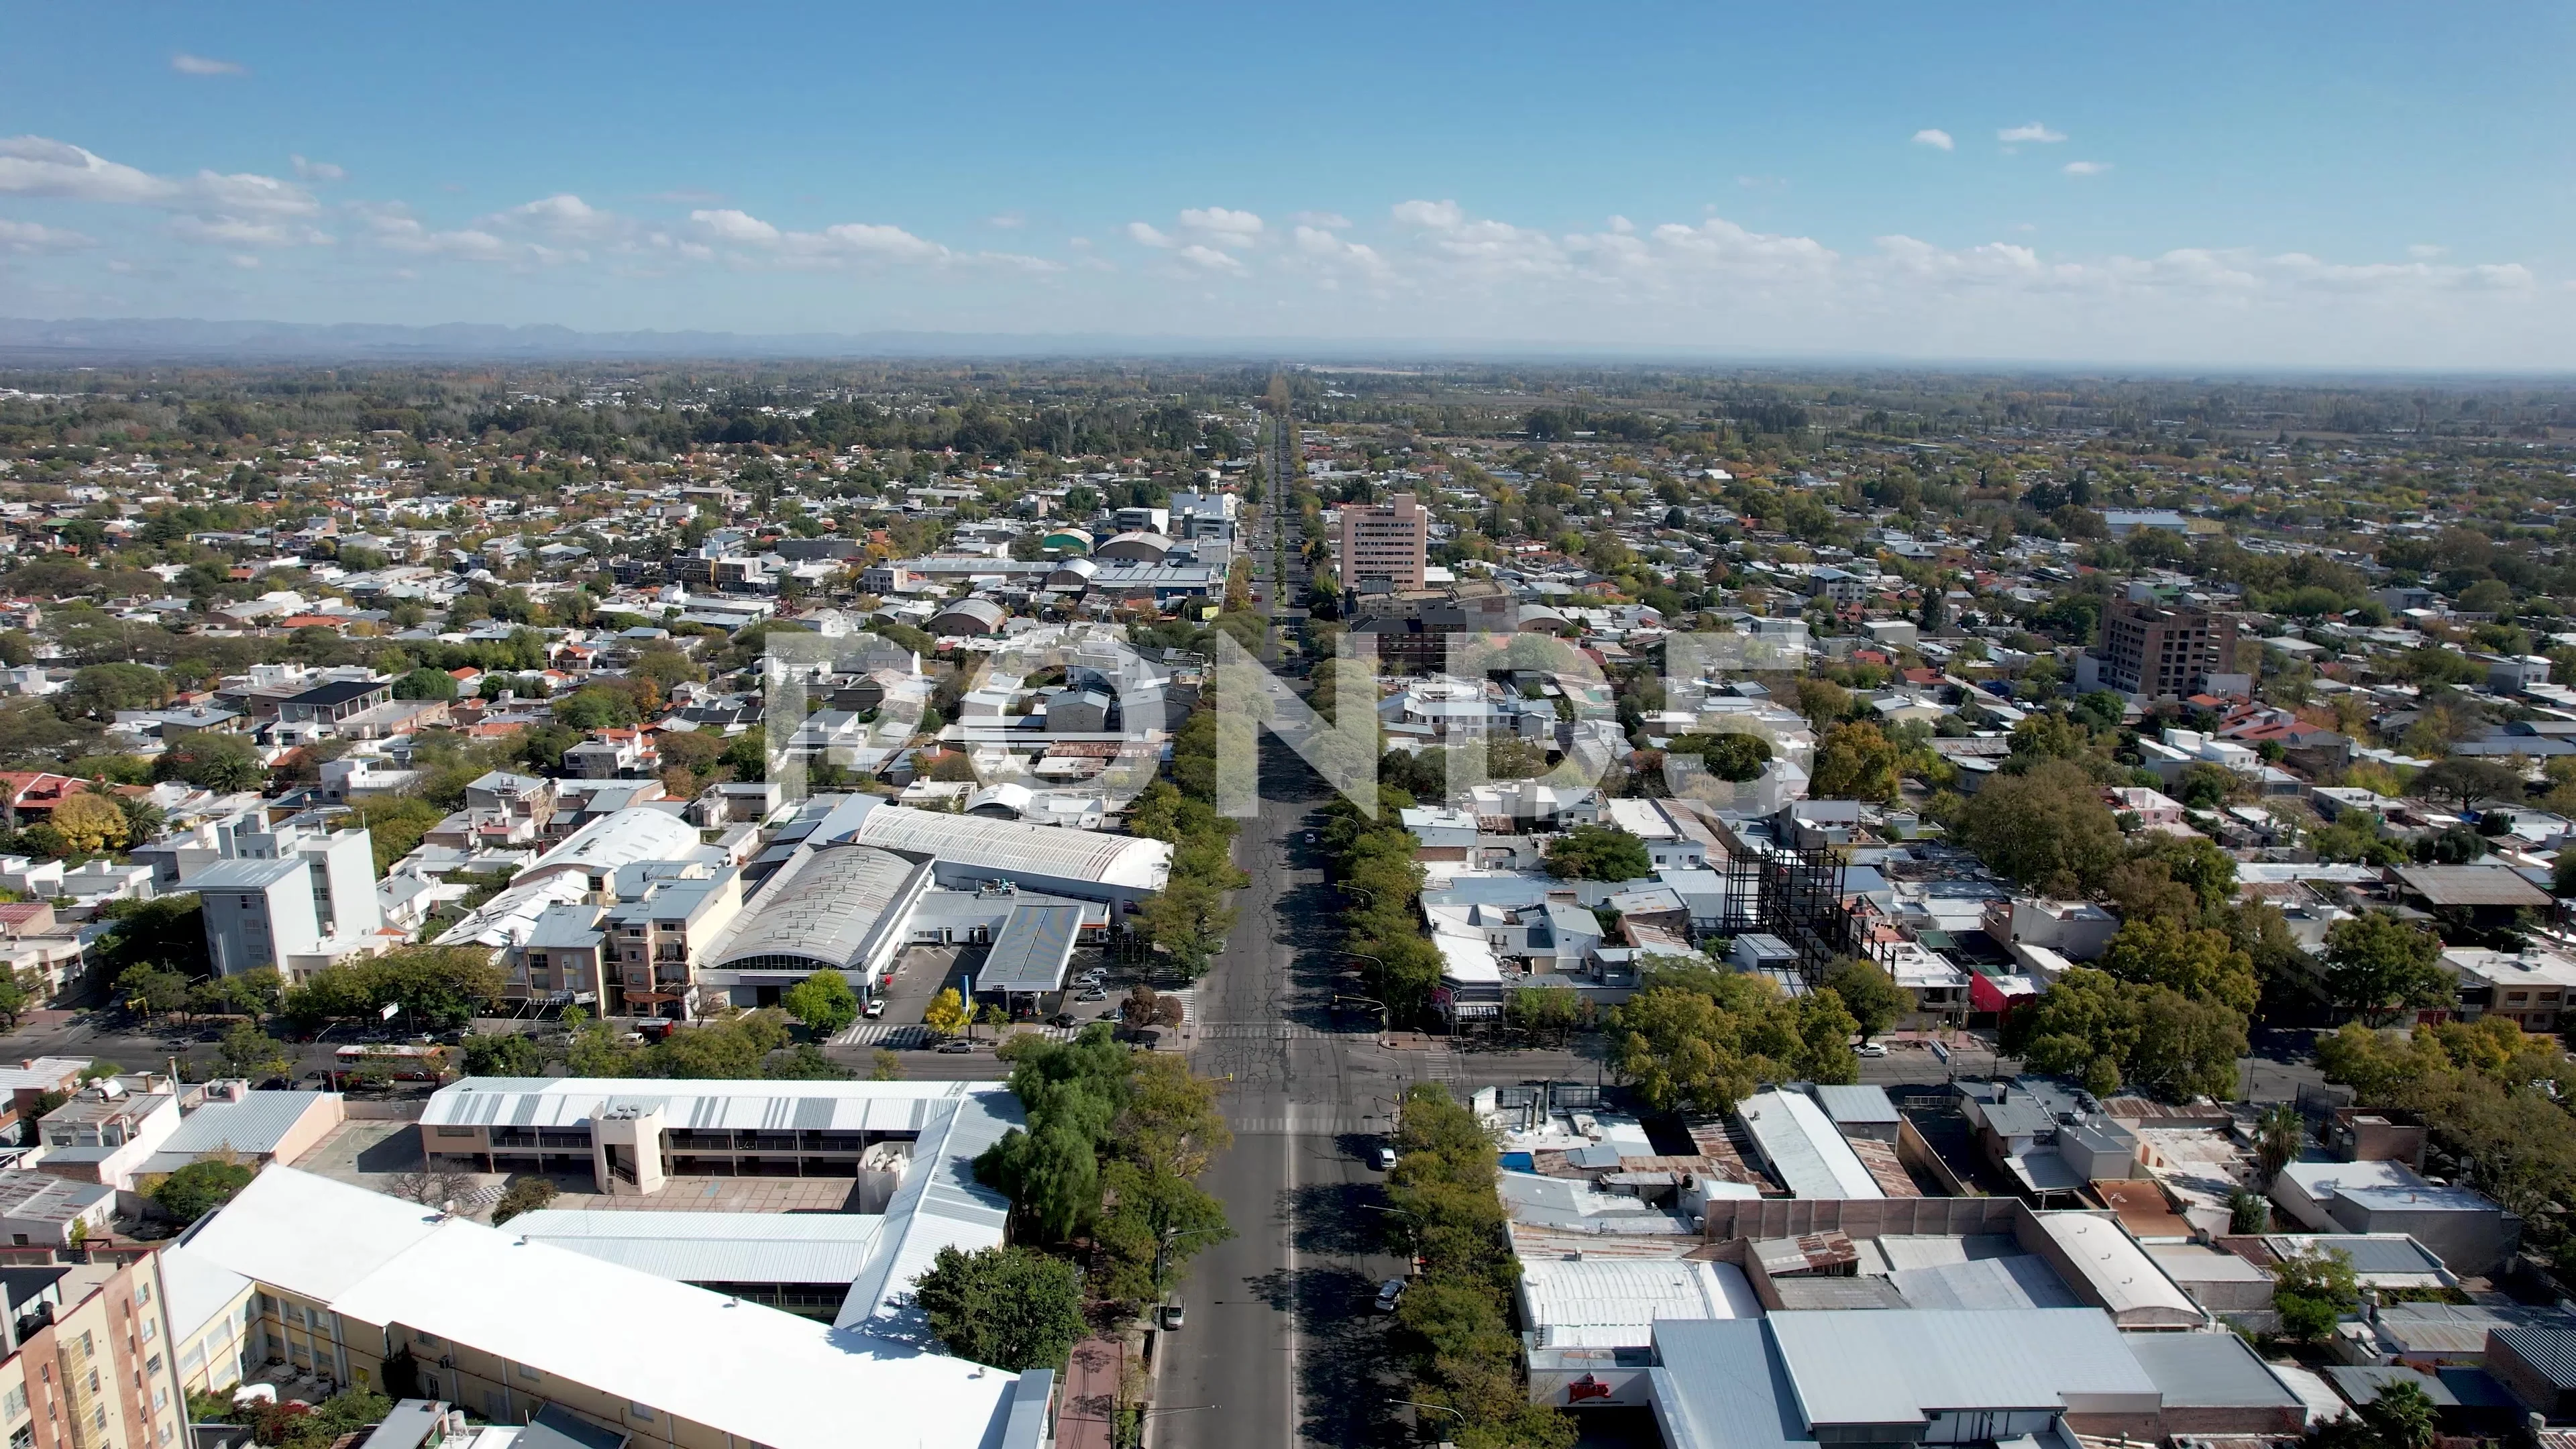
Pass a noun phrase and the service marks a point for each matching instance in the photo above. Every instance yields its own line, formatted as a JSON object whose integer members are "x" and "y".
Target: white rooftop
{"x": 754, "y": 1373}
{"x": 1810, "y": 1156}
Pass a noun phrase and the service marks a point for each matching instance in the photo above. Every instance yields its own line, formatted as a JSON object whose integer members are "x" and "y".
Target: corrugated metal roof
{"x": 828, "y": 906}
{"x": 1631, "y": 1292}
{"x": 1032, "y": 950}
{"x": 1866, "y": 1367}
{"x": 1723, "y": 1387}
{"x": 252, "y": 1126}
{"x": 2122, "y": 1277}
{"x": 690, "y": 1247}
{"x": 940, "y": 1204}
{"x": 1811, "y": 1157}
{"x": 2551, "y": 1352}
{"x": 2389, "y": 1254}
{"x": 2472, "y": 885}
{"x": 1864, "y": 1103}
{"x": 1009, "y": 845}
{"x": 738, "y": 1106}
{"x": 1985, "y": 1285}
{"x": 2208, "y": 1370}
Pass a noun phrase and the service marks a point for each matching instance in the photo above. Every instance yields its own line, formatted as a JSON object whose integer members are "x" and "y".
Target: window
{"x": 149, "y": 1328}
{"x": 14, "y": 1402}
{"x": 455, "y": 1131}
{"x": 638, "y": 1411}
{"x": 531, "y": 1375}
{"x": 152, "y": 1365}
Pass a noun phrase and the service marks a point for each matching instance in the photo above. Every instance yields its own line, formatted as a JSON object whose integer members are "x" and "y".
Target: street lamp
{"x": 1163, "y": 1250}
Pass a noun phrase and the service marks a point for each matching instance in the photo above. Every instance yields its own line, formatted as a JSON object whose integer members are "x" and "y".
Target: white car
{"x": 1870, "y": 1049}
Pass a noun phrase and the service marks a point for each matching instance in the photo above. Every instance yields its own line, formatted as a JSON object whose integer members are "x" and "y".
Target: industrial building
{"x": 370, "y": 1290}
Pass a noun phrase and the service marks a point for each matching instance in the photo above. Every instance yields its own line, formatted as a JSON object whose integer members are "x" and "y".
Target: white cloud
{"x": 1208, "y": 258}
{"x": 238, "y": 231}
{"x": 1322, "y": 247}
{"x": 396, "y": 229}
{"x": 737, "y": 227}
{"x": 2427, "y": 251}
{"x": 1216, "y": 226}
{"x": 1144, "y": 235}
{"x": 186, "y": 64}
{"x": 1428, "y": 215}
{"x": 317, "y": 170}
{"x": 1328, "y": 220}
{"x": 1936, "y": 138}
{"x": 1622, "y": 225}
{"x": 2034, "y": 134}
{"x": 39, "y": 166}
{"x": 1007, "y": 220}
{"x": 563, "y": 217}
{"x": 244, "y": 260}
{"x": 861, "y": 243}
{"x": 2085, "y": 168}
{"x": 28, "y": 237}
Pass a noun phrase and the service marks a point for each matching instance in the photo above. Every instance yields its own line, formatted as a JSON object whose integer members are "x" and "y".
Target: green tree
{"x": 2280, "y": 1135}
{"x": 1598, "y": 852}
{"x": 153, "y": 991}
{"x": 1190, "y": 920}
{"x": 15, "y": 999}
{"x": 2378, "y": 965}
{"x": 2312, "y": 1291}
{"x": 99, "y": 691}
{"x": 823, "y": 1001}
{"x": 1874, "y": 1000}
{"x": 1855, "y": 761}
{"x": 2105, "y": 1032}
{"x": 226, "y": 764}
{"x": 199, "y": 1188}
{"x": 426, "y": 683}
{"x": 247, "y": 1051}
{"x": 2467, "y": 780}
{"x": 502, "y": 1054}
{"x": 526, "y": 1195}
{"x": 2203, "y": 965}
{"x": 1010, "y": 1307}
{"x": 2046, "y": 828}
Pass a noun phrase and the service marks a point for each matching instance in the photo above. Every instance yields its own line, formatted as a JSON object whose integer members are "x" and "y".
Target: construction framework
{"x": 1792, "y": 892}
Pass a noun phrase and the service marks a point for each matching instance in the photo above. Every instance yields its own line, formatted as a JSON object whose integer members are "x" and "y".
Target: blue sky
{"x": 2338, "y": 185}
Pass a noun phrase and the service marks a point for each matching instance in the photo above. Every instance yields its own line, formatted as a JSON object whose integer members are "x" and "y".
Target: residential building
{"x": 1385, "y": 542}
{"x": 2151, "y": 650}
{"x": 90, "y": 1364}
{"x": 657, "y": 937}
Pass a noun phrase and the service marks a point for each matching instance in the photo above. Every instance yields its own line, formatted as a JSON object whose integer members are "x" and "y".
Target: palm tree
{"x": 2280, "y": 1135}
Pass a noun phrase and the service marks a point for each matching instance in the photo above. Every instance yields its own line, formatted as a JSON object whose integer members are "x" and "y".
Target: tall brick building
{"x": 1385, "y": 541}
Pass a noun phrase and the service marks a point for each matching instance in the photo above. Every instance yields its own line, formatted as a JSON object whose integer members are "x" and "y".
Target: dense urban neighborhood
{"x": 775, "y": 907}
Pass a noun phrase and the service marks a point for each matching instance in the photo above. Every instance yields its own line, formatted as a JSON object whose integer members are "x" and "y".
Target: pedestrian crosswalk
{"x": 1303, "y": 1120}
{"x": 1261, "y": 1031}
{"x": 885, "y": 1034}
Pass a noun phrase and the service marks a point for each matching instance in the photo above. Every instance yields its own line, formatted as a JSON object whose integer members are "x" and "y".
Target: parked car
{"x": 1172, "y": 1318}
{"x": 1385, "y": 1158}
{"x": 1310, "y": 837}
{"x": 874, "y": 1009}
{"x": 1061, "y": 1018}
{"x": 955, "y": 1046}
{"x": 1389, "y": 1294}
{"x": 1094, "y": 994}
{"x": 1870, "y": 1049}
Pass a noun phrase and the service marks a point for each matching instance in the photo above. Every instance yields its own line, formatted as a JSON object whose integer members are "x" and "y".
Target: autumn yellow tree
{"x": 89, "y": 824}
{"x": 947, "y": 1013}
